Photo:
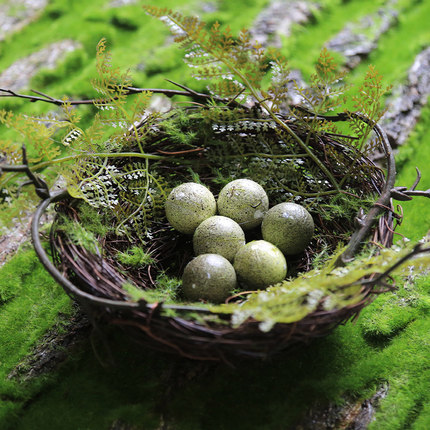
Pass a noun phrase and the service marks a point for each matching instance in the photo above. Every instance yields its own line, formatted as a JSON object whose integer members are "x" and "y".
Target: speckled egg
{"x": 188, "y": 205}
{"x": 209, "y": 277}
{"x": 259, "y": 264}
{"x": 289, "y": 226}
{"x": 244, "y": 201}
{"x": 218, "y": 235}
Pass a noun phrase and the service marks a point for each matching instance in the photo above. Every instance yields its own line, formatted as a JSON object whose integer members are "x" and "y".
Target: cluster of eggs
{"x": 223, "y": 258}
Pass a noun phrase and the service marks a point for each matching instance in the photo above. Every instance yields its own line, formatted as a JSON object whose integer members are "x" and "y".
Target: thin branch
{"x": 418, "y": 249}
{"x": 417, "y": 180}
{"x": 404, "y": 194}
{"x": 43, "y": 98}
{"x": 42, "y": 94}
{"x": 41, "y": 188}
{"x": 187, "y": 92}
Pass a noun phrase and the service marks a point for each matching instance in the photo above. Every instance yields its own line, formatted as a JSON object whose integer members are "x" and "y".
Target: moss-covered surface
{"x": 30, "y": 304}
{"x": 389, "y": 344}
{"x": 416, "y": 154}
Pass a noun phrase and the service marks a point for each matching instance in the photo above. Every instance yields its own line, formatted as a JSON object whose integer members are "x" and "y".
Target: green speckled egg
{"x": 209, "y": 277}
{"x": 259, "y": 264}
{"x": 289, "y": 226}
{"x": 188, "y": 205}
{"x": 244, "y": 201}
{"x": 218, "y": 235}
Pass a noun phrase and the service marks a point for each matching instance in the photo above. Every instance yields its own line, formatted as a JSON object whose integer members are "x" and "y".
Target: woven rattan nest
{"x": 195, "y": 331}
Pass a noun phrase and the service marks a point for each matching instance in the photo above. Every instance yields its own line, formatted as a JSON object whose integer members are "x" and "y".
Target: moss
{"x": 94, "y": 221}
{"x": 416, "y": 154}
{"x": 88, "y": 395}
{"x": 79, "y": 235}
{"x": 92, "y": 226}
{"x": 409, "y": 378}
{"x": 134, "y": 257}
{"x": 167, "y": 291}
{"x": 282, "y": 389}
{"x": 72, "y": 64}
{"x": 181, "y": 128}
{"x": 392, "y": 312}
{"x": 31, "y": 302}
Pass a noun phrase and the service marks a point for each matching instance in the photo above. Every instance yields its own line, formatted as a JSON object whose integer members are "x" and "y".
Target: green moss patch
{"x": 416, "y": 154}
{"x": 31, "y": 302}
{"x": 86, "y": 395}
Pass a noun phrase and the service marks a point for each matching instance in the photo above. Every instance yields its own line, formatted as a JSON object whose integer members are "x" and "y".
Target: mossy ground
{"x": 389, "y": 344}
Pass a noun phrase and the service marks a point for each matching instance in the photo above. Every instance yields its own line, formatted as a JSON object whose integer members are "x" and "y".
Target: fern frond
{"x": 36, "y": 132}
{"x": 215, "y": 53}
{"x": 111, "y": 84}
{"x": 278, "y": 89}
{"x": 326, "y": 91}
{"x": 369, "y": 102}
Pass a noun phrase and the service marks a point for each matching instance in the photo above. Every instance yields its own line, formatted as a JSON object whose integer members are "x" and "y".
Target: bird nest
{"x": 99, "y": 281}
{"x": 119, "y": 185}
